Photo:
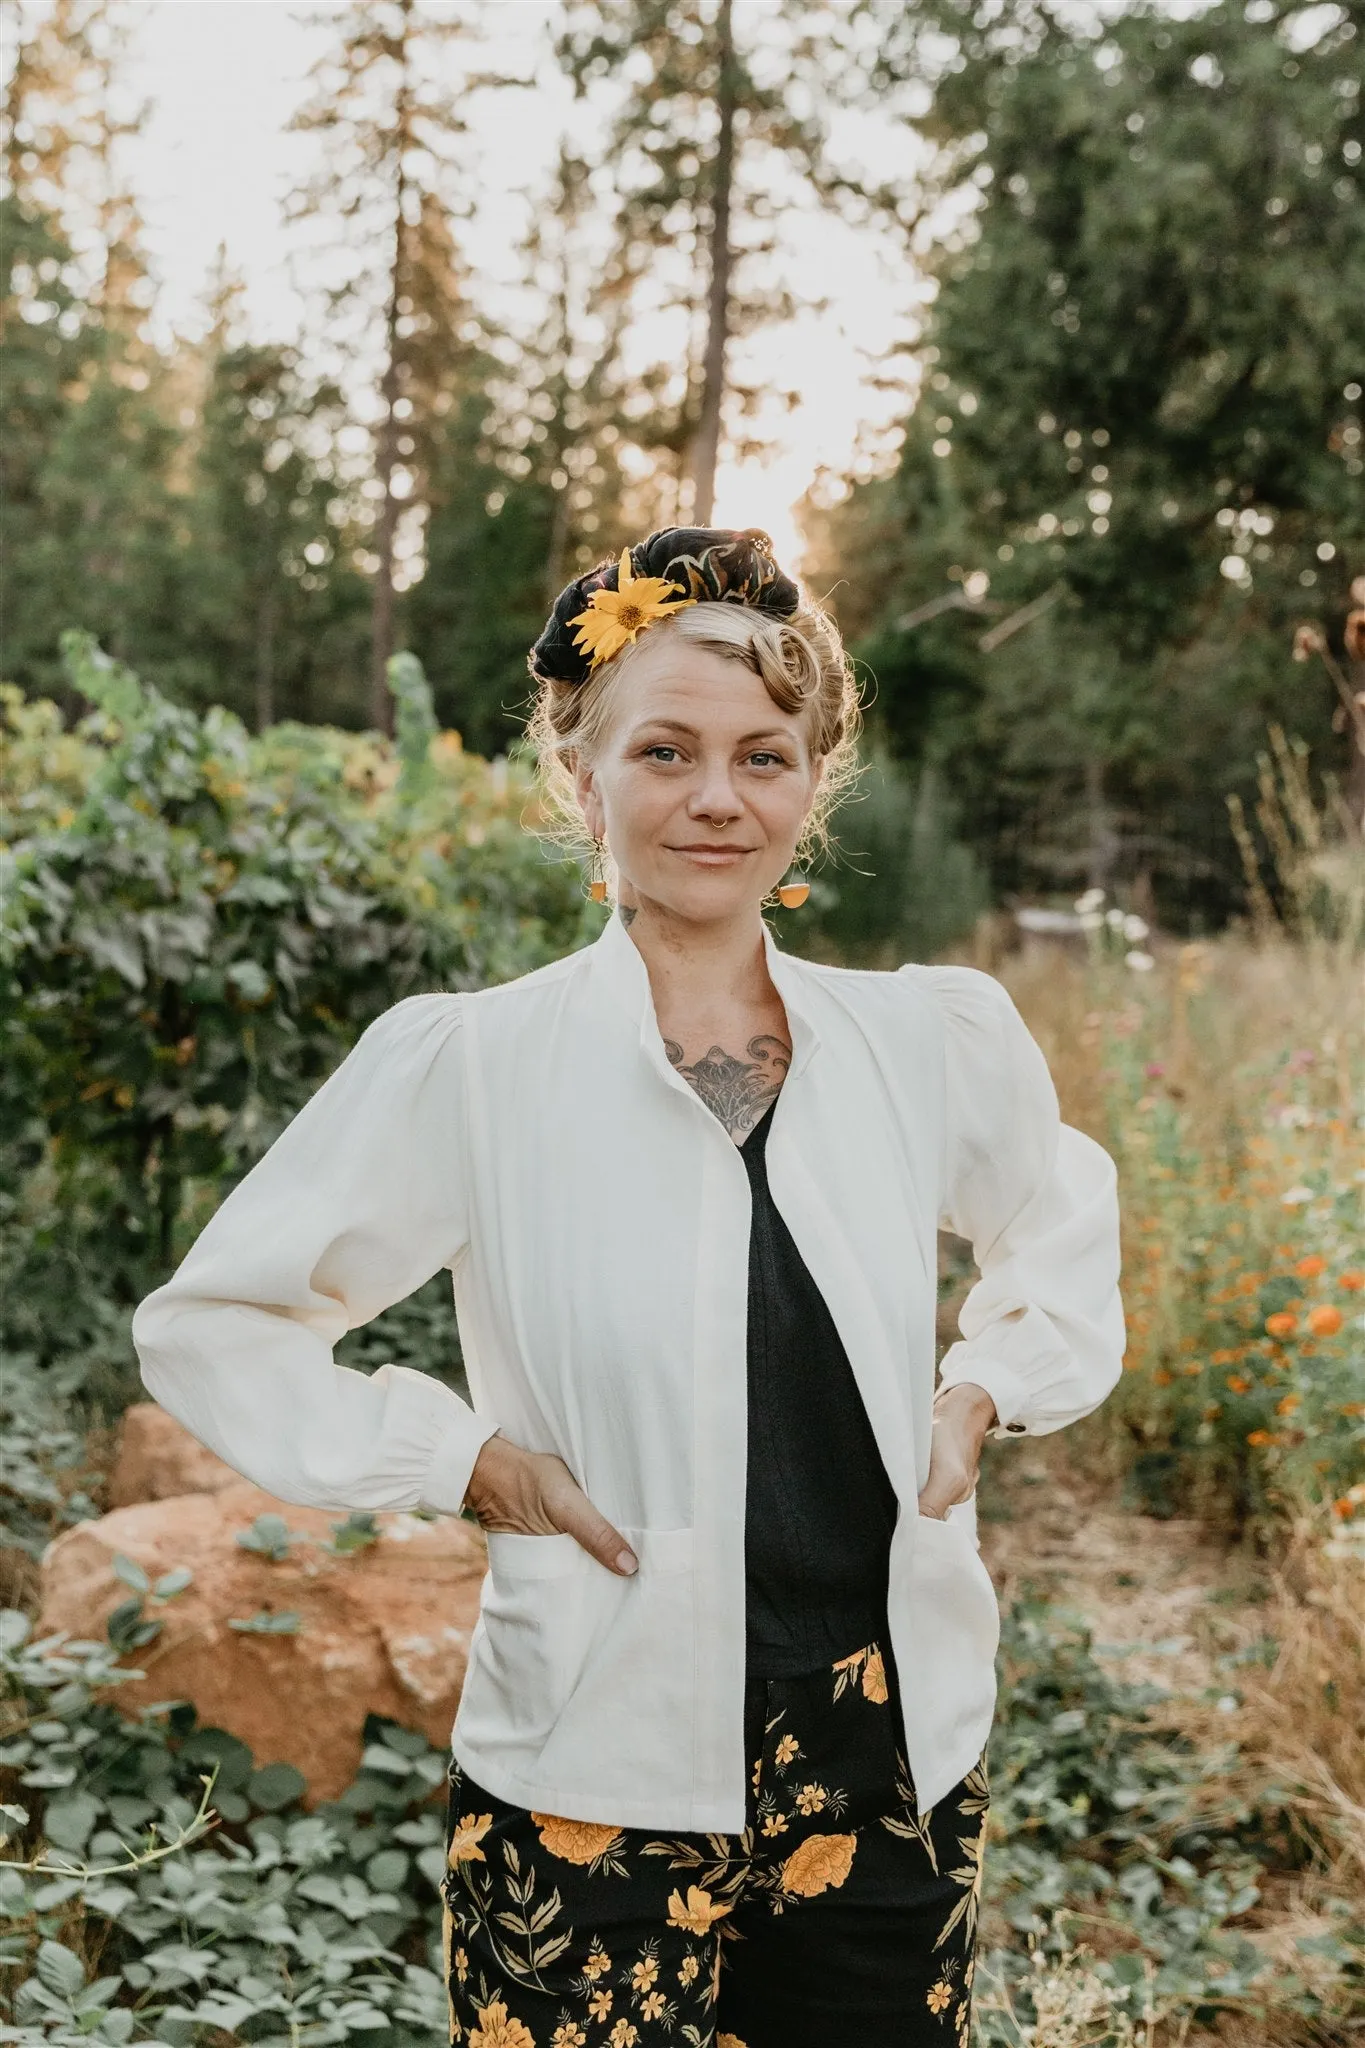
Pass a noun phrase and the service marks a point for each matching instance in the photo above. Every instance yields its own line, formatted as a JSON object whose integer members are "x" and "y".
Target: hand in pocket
{"x": 513, "y": 1492}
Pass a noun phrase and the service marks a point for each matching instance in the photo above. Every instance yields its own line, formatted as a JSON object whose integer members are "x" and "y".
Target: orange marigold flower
{"x": 576, "y": 1841}
{"x": 1260, "y": 1437}
{"x": 1239, "y": 1384}
{"x": 1282, "y": 1324}
{"x": 1343, "y": 1508}
{"x": 1287, "y": 1404}
{"x": 1309, "y": 1268}
{"x": 1353, "y": 1281}
{"x": 821, "y": 1862}
{"x": 496, "y": 2029}
{"x": 1162, "y": 1377}
{"x": 1325, "y": 1320}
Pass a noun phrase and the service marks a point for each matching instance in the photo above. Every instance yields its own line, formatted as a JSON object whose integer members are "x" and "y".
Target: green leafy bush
{"x": 195, "y": 925}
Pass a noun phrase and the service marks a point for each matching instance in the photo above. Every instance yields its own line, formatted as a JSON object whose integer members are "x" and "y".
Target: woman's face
{"x": 701, "y": 785}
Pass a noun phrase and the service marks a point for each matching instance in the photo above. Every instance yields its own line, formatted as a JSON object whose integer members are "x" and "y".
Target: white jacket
{"x": 535, "y": 1140}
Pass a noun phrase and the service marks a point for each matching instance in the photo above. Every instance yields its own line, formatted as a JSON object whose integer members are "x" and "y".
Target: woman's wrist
{"x": 968, "y": 1403}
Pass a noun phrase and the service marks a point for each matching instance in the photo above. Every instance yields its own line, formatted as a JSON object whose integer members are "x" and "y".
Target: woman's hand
{"x": 533, "y": 1493}
{"x": 962, "y": 1416}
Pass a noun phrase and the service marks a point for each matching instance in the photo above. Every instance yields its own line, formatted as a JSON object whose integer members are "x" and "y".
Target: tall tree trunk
{"x": 386, "y": 461}
{"x": 266, "y": 615}
{"x": 559, "y": 440}
{"x": 706, "y": 444}
{"x": 386, "y": 439}
{"x": 1102, "y": 851}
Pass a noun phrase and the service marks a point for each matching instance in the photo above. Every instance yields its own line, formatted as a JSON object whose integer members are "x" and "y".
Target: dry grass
{"x": 1171, "y": 1603}
{"x": 1226, "y": 1077}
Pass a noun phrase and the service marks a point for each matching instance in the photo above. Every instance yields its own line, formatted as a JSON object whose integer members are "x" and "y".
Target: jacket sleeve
{"x": 1043, "y": 1326}
{"x": 357, "y": 1203}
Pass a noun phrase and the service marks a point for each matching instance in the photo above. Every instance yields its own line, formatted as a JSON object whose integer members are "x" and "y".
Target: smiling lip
{"x": 719, "y": 855}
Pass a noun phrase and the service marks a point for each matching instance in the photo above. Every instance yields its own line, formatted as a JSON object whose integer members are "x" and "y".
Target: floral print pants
{"x": 838, "y": 1915}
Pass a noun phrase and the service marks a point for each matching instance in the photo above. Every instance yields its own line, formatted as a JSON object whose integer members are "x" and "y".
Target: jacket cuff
{"x": 453, "y": 1461}
{"x": 1005, "y": 1387}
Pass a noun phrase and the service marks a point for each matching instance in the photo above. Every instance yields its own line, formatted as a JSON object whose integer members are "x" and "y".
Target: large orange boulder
{"x": 157, "y": 1459}
{"x": 383, "y": 1628}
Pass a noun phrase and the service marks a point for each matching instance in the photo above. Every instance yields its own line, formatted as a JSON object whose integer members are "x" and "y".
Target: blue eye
{"x": 662, "y": 747}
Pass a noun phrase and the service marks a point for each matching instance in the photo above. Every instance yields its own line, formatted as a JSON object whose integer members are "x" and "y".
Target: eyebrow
{"x": 745, "y": 739}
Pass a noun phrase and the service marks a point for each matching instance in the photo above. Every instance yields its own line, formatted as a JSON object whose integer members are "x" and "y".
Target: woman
{"x": 716, "y": 1773}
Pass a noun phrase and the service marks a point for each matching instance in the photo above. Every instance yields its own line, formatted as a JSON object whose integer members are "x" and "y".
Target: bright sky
{"x": 215, "y": 162}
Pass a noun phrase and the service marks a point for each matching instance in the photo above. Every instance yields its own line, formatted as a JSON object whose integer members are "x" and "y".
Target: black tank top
{"x": 820, "y": 1508}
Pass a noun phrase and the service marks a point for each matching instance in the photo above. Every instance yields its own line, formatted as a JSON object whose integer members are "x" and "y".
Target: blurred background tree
{"x": 1130, "y": 463}
{"x": 1139, "y": 433}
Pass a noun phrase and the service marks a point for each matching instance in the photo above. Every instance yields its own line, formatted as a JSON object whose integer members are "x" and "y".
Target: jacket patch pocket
{"x": 524, "y": 1657}
{"x": 955, "y": 1625}
{"x": 627, "y": 1720}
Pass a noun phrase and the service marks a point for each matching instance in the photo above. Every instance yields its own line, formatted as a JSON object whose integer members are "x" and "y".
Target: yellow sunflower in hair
{"x": 614, "y": 617}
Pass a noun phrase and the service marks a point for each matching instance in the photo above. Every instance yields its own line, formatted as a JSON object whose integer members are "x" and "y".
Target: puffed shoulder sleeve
{"x": 357, "y": 1203}
{"x": 1043, "y": 1326}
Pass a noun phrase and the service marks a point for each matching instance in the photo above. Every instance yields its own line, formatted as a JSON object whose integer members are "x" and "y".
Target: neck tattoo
{"x": 737, "y": 1090}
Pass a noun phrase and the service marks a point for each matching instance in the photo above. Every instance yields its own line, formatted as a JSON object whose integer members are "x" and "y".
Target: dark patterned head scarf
{"x": 702, "y": 564}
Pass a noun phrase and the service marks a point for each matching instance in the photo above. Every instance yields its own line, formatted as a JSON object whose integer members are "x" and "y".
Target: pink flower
{"x": 1154, "y": 1069}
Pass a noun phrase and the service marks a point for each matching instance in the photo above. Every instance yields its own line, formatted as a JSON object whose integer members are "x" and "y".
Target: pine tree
{"x": 390, "y": 123}
{"x": 94, "y": 537}
{"x": 708, "y": 129}
{"x": 276, "y": 590}
{"x": 1142, "y": 413}
{"x": 526, "y": 483}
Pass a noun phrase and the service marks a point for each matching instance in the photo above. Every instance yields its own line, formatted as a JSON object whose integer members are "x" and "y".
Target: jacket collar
{"x": 619, "y": 970}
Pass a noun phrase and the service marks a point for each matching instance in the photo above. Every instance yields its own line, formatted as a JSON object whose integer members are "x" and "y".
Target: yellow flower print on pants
{"x": 839, "y": 1913}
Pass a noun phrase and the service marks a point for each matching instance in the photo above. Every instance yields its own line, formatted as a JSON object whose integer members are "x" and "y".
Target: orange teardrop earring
{"x": 597, "y": 885}
{"x": 791, "y": 895}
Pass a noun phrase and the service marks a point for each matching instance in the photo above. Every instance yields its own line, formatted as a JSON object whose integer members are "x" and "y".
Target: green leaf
{"x": 69, "y": 1821}
{"x": 15, "y": 1629}
{"x": 387, "y": 1871}
{"x": 126, "y": 1628}
{"x": 131, "y": 1573}
{"x": 275, "y": 1786}
{"x": 59, "y": 1970}
{"x": 357, "y": 1532}
{"x": 377, "y": 1758}
{"x": 173, "y": 1582}
{"x": 266, "y": 1623}
{"x": 250, "y": 981}
{"x": 269, "y": 1535}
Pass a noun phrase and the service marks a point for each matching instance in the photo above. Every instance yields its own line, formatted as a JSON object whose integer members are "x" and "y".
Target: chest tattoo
{"x": 736, "y": 1090}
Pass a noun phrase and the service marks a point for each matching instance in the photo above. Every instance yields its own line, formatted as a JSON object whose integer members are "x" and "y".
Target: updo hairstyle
{"x": 799, "y": 658}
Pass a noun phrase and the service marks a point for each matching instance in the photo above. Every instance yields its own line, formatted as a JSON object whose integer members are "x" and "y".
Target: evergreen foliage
{"x": 1141, "y": 408}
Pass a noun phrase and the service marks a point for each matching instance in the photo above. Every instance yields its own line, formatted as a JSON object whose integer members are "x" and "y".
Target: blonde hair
{"x": 800, "y": 661}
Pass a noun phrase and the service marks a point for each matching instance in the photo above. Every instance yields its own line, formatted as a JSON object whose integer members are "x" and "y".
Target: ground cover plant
{"x": 128, "y": 1917}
